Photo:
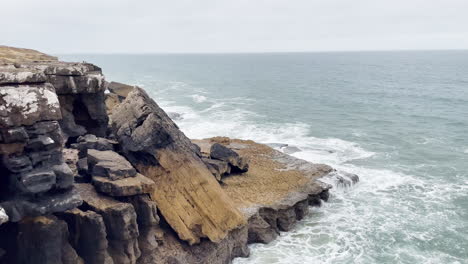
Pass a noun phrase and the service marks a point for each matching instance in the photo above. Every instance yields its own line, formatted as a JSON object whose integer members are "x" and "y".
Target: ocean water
{"x": 397, "y": 119}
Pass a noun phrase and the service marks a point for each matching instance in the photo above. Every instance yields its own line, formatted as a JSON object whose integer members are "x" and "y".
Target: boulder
{"x": 187, "y": 195}
{"x": 138, "y": 184}
{"x": 220, "y": 152}
{"x": 109, "y": 164}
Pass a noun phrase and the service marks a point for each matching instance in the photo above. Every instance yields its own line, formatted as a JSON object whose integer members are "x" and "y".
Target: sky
{"x": 219, "y": 26}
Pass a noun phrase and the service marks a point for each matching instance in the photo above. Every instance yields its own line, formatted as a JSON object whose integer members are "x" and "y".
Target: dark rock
{"x": 121, "y": 224}
{"x": 41, "y": 143}
{"x": 12, "y": 135}
{"x": 17, "y": 164}
{"x": 260, "y": 231}
{"x": 35, "y": 181}
{"x": 219, "y": 168}
{"x": 18, "y": 208}
{"x": 223, "y": 153}
{"x": 109, "y": 164}
{"x": 286, "y": 219}
{"x": 45, "y": 240}
{"x": 64, "y": 176}
{"x": 86, "y": 227}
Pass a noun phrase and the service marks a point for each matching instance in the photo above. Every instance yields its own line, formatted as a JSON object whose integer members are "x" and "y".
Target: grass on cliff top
{"x": 12, "y": 55}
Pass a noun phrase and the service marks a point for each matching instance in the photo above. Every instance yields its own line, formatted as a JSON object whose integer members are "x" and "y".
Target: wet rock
{"x": 223, "y": 153}
{"x": 260, "y": 231}
{"x": 175, "y": 116}
{"x": 45, "y": 240}
{"x": 85, "y": 227}
{"x": 217, "y": 167}
{"x": 138, "y": 184}
{"x": 109, "y": 164}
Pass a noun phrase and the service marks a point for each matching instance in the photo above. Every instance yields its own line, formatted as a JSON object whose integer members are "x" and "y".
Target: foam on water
{"x": 346, "y": 228}
{"x": 396, "y": 119}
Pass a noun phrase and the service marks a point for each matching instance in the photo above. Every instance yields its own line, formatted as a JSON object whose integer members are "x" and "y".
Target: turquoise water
{"x": 397, "y": 119}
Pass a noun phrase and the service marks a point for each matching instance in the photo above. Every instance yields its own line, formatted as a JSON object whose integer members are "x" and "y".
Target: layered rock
{"x": 34, "y": 178}
{"x": 189, "y": 198}
{"x": 143, "y": 192}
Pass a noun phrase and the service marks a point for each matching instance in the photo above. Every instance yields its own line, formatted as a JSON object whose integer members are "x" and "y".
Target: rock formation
{"x": 96, "y": 172}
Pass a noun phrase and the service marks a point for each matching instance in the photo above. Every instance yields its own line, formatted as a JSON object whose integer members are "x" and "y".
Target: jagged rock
{"x": 121, "y": 224}
{"x": 45, "y": 240}
{"x": 138, "y": 184}
{"x": 3, "y": 216}
{"x": 186, "y": 193}
{"x": 148, "y": 220}
{"x": 86, "y": 227}
{"x": 18, "y": 208}
{"x": 120, "y": 89}
{"x": 223, "y": 153}
{"x": 109, "y": 164}
{"x": 260, "y": 231}
{"x": 217, "y": 167}
{"x": 145, "y": 208}
{"x": 27, "y": 104}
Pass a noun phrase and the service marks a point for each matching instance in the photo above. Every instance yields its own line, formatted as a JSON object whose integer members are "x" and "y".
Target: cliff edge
{"x": 97, "y": 172}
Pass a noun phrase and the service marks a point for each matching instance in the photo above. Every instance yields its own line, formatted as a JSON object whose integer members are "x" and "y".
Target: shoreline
{"x": 87, "y": 160}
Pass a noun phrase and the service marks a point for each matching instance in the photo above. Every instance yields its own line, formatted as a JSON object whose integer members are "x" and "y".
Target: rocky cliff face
{"x": 92, "y": 172}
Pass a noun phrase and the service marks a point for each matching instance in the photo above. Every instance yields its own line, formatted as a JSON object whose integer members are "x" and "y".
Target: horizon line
{"x": 251, "y": 52}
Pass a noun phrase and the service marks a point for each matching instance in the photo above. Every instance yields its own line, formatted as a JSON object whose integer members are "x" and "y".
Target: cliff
{"x": 97, "y": 172}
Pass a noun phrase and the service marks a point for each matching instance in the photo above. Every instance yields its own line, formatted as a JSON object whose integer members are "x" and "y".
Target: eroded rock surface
{"x": 189, "y": 198}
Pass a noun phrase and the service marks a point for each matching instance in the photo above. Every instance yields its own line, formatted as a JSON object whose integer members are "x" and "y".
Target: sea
{"x": 398, "y": 119}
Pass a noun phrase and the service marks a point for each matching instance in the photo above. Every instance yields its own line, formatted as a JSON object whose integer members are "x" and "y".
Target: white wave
{"x": 198, "y": 98}
{"x": 346, "y": 229}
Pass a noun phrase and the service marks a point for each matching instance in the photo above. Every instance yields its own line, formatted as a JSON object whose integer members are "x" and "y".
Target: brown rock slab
{"x": 187, "y": 195}
{"x": 124, "y": 187}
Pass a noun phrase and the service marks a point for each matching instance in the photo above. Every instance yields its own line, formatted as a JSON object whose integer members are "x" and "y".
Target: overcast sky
{"x": 142, "y": 26}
